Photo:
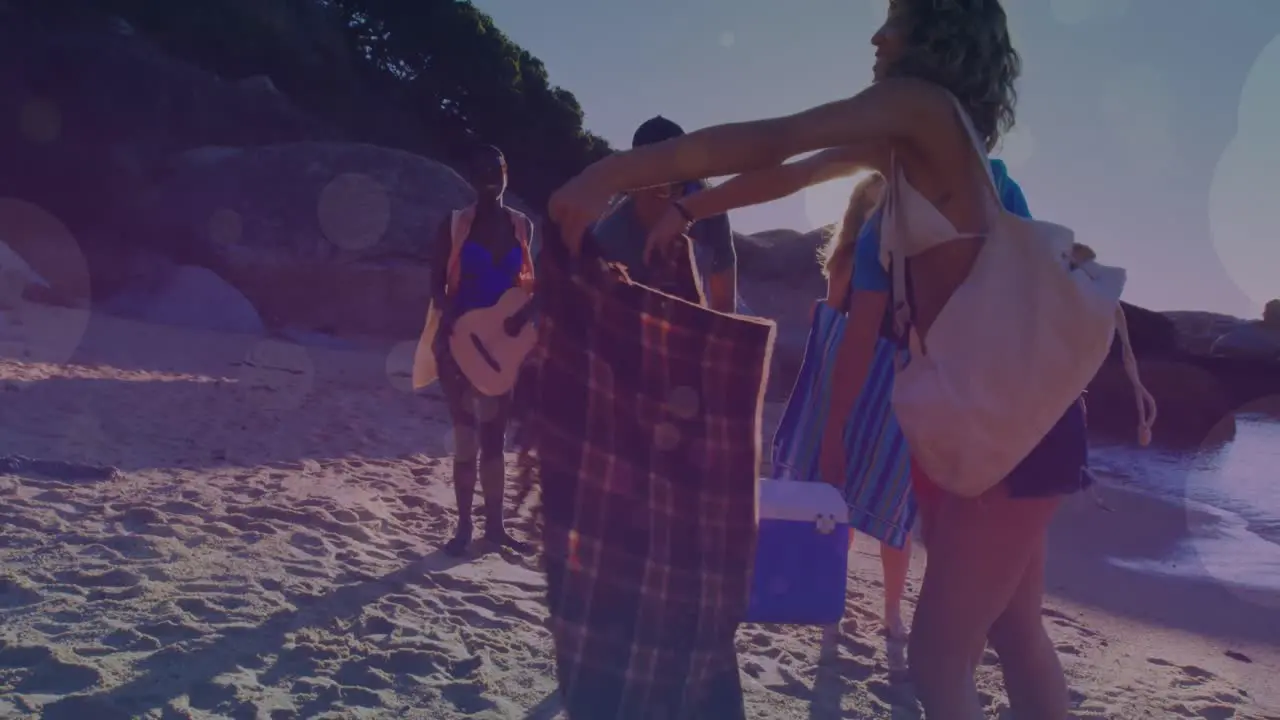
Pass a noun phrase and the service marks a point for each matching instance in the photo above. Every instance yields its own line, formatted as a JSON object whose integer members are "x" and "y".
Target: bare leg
{"x": 465, "y": 452}
{"x": 493, "y": 471}
{"x": 895, "y": 562}
{"x": 1033, "y": 676}
{"x": 979, "y": 552}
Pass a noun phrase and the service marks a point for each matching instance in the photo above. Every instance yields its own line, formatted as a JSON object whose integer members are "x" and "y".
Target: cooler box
{"x": 802, "y": 554}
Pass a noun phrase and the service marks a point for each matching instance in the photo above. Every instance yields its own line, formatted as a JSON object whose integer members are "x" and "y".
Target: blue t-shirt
{"x": 621, "y": 238}
{"x": 869, "y": 274}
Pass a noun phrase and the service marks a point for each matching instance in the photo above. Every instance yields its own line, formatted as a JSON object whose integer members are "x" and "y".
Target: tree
{"x": 427, "y": 76}
{"x": 468, "y": 82}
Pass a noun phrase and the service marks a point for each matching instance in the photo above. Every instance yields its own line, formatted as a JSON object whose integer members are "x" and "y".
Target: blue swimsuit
{"x": 481, "y": 280}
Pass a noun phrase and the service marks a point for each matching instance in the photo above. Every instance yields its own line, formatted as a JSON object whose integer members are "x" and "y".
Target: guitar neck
{"x": 518, "y": 319}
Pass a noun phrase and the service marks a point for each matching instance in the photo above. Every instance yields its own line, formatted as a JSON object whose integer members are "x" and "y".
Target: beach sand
{"x": 268, "y": 549}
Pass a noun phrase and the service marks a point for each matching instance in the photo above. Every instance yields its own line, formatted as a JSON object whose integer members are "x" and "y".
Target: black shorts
{"x": 1057, "y": 465}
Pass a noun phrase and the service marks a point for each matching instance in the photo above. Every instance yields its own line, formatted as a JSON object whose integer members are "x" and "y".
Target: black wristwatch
{"x": 684, "y": 211}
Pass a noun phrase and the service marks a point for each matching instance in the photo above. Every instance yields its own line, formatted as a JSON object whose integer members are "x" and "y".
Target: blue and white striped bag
{"x": 877, "y": 485}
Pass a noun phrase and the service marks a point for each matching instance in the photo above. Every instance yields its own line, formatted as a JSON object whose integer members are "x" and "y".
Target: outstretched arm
{"x": 761, "y": 186}
{"x": 779, "y": 181}
{"x": 890, "y": 110}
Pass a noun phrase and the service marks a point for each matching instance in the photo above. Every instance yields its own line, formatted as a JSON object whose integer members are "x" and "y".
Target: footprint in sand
{"x": 468, "y": 697}
{"x": 1215, "y": 712}
{"x": 136, "y": 547}
{"x": 1193, "y": 671}
{"x": 408, "y": 602}
{"x": 202, "y": 611}
{"x": 218, "y": 698}
{"x": 183, "y": 508}
{"x": 359, "y": 674}
{"x": 142, "y": 520}
{"x": 302, "y": 571}
{"x": 168, "y": 632}
{"x": 114, "y": 578}
{"x": 897, "y": 696}
{"x": 376, "y": 625}
{"x": 310, "y": 543}
{"x": 130, "y": 640}
{"x": 242, "y": 523}
{"x": 16, "y": 592}
{"x": 39, "y": 671}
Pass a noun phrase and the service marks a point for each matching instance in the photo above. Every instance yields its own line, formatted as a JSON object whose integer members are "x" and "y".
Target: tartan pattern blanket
{"x": 647, "y": 422}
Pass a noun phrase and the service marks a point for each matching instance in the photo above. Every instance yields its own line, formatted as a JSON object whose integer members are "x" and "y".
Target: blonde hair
{"x": 838, "y": 250}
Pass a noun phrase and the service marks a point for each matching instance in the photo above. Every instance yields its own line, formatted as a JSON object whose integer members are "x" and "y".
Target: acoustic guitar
{"x": 490, "y": 344}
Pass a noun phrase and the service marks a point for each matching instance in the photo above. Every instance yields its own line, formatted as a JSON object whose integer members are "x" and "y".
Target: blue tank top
{"x": 481, "y": 280}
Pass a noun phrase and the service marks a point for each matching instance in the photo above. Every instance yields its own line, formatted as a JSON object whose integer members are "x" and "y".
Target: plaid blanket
{"x": 648, "y": 439}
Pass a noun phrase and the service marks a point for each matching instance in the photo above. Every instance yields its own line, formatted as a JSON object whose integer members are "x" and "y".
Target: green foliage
{"x": 468, "y": 81}
{"x": 428, "y": 76}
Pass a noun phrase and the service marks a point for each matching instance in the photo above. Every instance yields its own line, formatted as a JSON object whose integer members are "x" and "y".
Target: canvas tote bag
{"x": 1015, "y": 345}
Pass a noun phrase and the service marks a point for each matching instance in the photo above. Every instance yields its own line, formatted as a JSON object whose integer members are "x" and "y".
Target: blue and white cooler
{"x": 802, "y": 553}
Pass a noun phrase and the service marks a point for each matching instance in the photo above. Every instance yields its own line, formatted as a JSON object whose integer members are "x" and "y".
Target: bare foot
{"x": 457, "y": 546}
{"x": 893, "y": 626}
{"x": 503, "y": 540}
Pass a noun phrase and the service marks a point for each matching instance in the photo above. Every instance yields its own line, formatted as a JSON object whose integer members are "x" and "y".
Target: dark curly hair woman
{"x": 937, "y": 61}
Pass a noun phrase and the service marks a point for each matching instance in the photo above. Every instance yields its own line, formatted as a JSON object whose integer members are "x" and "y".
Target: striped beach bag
{"x": 877, "y": 485}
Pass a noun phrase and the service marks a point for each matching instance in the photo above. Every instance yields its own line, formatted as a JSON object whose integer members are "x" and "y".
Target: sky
{"x": 1148, "y": 126}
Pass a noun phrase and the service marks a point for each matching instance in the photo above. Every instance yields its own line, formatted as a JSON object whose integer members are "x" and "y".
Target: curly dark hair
{"x": 964, "y": 46}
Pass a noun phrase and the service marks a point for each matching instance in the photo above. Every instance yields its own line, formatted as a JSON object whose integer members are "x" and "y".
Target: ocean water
{"x": 1237, "y": 484}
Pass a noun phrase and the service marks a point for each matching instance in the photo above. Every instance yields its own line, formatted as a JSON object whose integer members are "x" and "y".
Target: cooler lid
{"x": 801, "y": 501}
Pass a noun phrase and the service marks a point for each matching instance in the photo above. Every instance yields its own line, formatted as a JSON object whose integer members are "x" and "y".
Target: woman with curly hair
{"x": 937, "y": 61}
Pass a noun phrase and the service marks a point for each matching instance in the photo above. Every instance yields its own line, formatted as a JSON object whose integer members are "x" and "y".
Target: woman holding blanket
{"x": 944, "y": 66}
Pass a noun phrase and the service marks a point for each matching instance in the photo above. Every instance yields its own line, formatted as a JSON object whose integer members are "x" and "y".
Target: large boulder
{"x": 779, "y": 278}
{"x": 1197, "y": 331}
{"x": 326, "y": 237}
{"x": 48, "y": 250}
{"x": 785, "y": 255}
{"x": 1254, "y": 341}
{"x": 96, "y": 108}
{"x": 190, "y": 297}
{"x": 1151, "y": 333}
{"x": 1194, "y": 408}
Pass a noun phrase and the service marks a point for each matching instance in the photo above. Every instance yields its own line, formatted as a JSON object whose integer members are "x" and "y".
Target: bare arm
{"x": 838, "y": 282}
{"x": 779, "y": 181}
{"x": 722, "y": 278}
{"x": 853, "y": 358}
{"x": 899, "y": 109}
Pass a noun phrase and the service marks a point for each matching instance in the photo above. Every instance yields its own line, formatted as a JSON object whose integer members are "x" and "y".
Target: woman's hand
{"x": 831, "y": 456}
{"x": 663, "y": 234}
{"x": 577, "y": 205}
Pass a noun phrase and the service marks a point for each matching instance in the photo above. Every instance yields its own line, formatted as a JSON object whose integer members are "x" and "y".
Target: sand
{"x": 269, "y": 549}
